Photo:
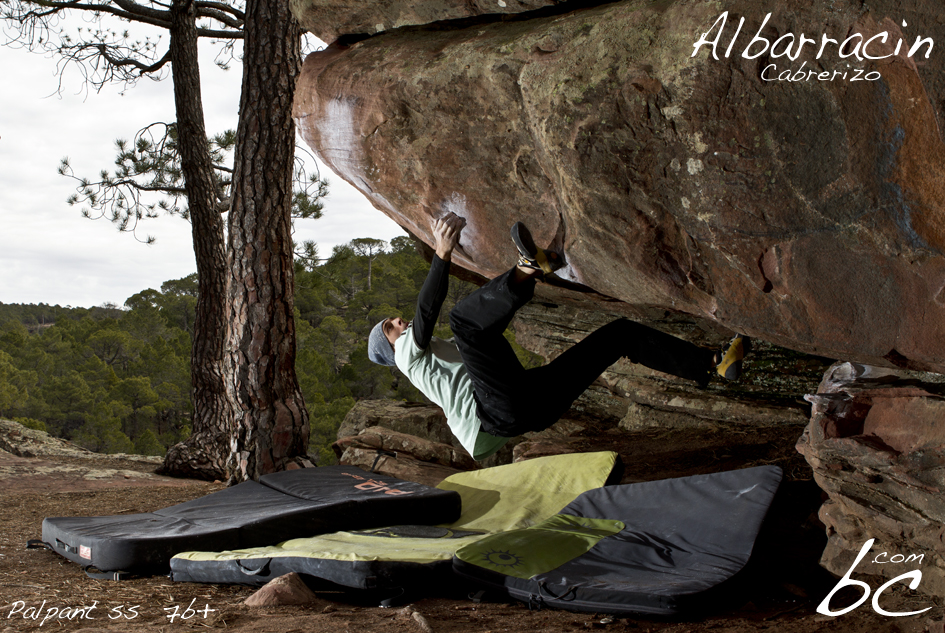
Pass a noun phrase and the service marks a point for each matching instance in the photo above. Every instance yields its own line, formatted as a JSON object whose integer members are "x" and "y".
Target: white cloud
{"x": 48, "y": 252}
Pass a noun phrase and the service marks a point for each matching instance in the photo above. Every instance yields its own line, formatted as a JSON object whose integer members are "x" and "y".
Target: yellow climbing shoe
{"x": 530, "y": 256}
{"x": 730, "y": 367}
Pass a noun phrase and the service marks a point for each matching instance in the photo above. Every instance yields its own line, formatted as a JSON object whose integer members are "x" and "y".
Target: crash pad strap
{"x": 35, "y": 543}
{"x": 259, "y": 570}
{"x": 98, "y": 574}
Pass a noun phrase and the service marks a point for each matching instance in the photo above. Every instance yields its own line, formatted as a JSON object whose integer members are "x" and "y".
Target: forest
{"x": 117, "y": 379}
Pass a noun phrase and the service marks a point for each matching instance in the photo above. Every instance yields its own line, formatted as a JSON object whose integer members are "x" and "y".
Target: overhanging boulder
{"x": 330, "y": 19}
{"x": 806, "y": 213}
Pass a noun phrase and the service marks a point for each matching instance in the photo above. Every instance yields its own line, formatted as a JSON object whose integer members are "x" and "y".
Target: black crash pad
{"x": 402, "y": 556}
{"x": 658, "y": 547}
{"x": 281, "y": 506}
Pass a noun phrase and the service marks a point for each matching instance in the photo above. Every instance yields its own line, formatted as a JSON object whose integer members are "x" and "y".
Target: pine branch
{"x": 130, "y": 11}
{"x": 128, "y": 61}
{"x": 176, "y": 191}
{"x": 220, "y": 35}
{"x": 220, "y": 17}
{"x": 222, "y": 6}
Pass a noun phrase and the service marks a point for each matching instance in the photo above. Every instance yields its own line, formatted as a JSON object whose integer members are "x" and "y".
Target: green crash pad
{"x": 659, "y": 547}
{"x": 503, "y": 498}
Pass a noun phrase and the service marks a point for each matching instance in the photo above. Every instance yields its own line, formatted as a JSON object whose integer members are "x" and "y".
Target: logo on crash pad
{"x": 373, "y": 485}
{"x": 499, "y": 558}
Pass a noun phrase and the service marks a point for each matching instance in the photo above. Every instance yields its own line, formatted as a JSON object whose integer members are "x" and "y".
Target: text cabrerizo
{"x": 790, "y": 46}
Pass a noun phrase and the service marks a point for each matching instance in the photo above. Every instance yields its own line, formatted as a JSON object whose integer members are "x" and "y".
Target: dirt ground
{"x": 779, "y": 592}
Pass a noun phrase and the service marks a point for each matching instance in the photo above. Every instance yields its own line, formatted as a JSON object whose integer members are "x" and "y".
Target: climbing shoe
{"x": 730, "y": 365}
{"x": 530, "y": 256}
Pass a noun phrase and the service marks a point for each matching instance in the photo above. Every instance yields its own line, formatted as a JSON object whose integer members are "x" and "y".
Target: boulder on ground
{"x": 384, "y": 439}
{"x": 411, "y": 418}
{"x": 400, "y": 465}
{"x": 407, "y": 457}
{"x": 424, "y": 421}
{"x": 25, "y": 442}
{"x": 558, "y": 439}
{"x": 287, "y": 589}
{"x": 876, "y": 443}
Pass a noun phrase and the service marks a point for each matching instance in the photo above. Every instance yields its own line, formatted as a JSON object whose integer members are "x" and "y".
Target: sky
{"x": 49, "y": 253}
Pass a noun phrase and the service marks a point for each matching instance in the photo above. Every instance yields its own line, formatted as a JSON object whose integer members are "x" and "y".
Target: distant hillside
{"x": 37, "y": 316}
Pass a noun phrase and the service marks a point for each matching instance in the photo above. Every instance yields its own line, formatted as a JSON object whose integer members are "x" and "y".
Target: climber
{"x": 477, "y": 380}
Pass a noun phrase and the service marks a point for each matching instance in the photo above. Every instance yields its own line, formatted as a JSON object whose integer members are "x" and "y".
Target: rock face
{"x": 412, "y": 418}
{"x": 642, "y": 398}
{"x": 556, "y": 440}
{"x": 384, "y": 439}
{"x": 424, "y": 421}
{"x": 407, "y": 457}
{"x": 807, "y": 213}
{"x": 330, "y": 19}
{"x": 25, "y": 442}
{"x": 877, "y": 446}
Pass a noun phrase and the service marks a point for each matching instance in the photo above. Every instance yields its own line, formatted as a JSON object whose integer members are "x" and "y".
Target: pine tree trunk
{"x": 205, "y": 453}
{"x": 271, "y": 431}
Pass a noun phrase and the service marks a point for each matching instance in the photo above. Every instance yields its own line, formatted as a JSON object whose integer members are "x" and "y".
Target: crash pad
{"x": 494, "y": 499}
{"x": 657, "y": 547}
{"x": 280, "y": 506}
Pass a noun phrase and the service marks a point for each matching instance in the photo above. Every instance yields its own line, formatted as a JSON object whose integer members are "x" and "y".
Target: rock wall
{"x": 805, "y": 213}
{"x": 382, "y": 450}
{"x": 411, "y": 418}
{"x": 425, "y": 422}
{"x": 21, "y": 441}
{"x": 635, "y": 397}
{"x": 699, "y": 190}
{"x": 331, "y": 19}
{"x": 876, "y": 444}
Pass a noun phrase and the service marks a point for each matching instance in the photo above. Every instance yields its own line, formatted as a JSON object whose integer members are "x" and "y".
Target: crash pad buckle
{"x": 535, "y": 602}
{"x": 105, "y": 575}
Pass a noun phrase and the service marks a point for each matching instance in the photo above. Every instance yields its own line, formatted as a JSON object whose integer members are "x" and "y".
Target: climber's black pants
{"x": 512, "y": 400}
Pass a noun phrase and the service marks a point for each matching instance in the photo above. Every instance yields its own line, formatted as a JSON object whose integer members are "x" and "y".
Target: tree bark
{"x": 271, "y": 428}
{"x": 205, "y": 453}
